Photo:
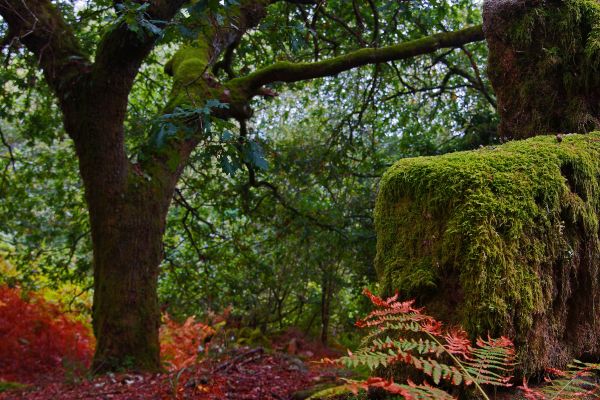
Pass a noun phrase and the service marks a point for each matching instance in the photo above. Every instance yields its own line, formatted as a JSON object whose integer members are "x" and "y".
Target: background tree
{"x": 543, "y": 62}
{"x": 130, "y": 167}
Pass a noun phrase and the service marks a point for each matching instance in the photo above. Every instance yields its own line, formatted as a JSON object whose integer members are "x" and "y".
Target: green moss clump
{"x": 188, "y": 63}
{"x": 503, "y": 240}
{"x": 6, "y": 386}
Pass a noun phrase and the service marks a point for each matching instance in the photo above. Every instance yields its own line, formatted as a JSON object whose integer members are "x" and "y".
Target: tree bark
{"x": 542, "y": 64}
{"x": 127, "y": 207}
{"x": 326, "y": 294}
{"x": 127, "y": 252}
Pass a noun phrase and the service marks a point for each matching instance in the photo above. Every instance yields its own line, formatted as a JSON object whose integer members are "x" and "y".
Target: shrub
{"x": 37, "y": 338}
{"x": 181, "y": 343}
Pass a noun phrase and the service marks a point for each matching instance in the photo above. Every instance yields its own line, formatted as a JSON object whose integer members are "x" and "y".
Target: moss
{"x": 6, "y": 386}
{"x": 285, "y": 71}
{"x": 251, "y": 337}
{"x": 502, "y": 240}
{"x": 543, "y": 64}
{"x": 189, "y": 63}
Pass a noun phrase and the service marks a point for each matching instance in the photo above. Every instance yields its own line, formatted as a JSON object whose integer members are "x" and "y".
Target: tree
{"x": 128, "y": 198}
{"x": 543, "y": 60}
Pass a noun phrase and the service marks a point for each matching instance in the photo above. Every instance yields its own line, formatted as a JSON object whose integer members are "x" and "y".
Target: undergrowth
{"x": 37, "y": 339}
{"x": 182, "y": 343}
{"x": 401, "y": 334}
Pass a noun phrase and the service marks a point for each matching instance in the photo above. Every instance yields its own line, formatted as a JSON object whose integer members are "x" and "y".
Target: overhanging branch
{"x": 294, "y": 72}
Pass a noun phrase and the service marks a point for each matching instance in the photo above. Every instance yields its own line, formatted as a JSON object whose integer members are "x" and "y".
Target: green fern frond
{"x": 580, "y": 381}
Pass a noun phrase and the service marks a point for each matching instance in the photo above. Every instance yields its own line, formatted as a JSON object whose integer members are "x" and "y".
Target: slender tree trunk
{"x": 326, "y": 292}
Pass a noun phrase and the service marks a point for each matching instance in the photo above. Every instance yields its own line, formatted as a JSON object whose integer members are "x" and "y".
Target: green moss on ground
{"x": 503, "y": 240}
{"x": 6, "y": 386}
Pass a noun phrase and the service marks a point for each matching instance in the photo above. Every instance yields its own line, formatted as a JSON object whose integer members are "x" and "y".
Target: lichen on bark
{"x": 543, "y": 64}
{"x": 503, "y": 240}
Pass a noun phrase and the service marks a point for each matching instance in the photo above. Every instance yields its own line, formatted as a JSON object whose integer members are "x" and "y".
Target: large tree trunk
{"x": 127, "y": 231}
{"x": 543, "y": 59}
{"x": 127, "y": 207}
{"x": 127, "y": 237}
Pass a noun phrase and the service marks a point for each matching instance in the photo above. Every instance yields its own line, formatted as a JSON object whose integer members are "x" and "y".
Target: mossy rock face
{"x": 544, "y": 60}
{"x": 503, "y": 240}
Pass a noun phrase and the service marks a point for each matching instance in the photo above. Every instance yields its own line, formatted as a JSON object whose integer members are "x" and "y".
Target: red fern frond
{"x": 391, "y": 340}
{"x": 180, "y": 344}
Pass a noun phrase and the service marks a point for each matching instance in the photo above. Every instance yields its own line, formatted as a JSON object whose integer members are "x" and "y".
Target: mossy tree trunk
{"x": 127, "y": 209}
{"x": 127, "y": 238}
{"x": 543, "y": 63}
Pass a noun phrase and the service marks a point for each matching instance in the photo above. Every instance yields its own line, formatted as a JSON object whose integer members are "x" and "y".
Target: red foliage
{"x": 180, "y": 344}
{"x": 400, "y": 333}
{"x": 37, "y": 339}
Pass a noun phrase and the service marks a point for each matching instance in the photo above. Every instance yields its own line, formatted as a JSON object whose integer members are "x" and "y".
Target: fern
{"x": 580, "y": 381}
{"x": 400, "y": 333}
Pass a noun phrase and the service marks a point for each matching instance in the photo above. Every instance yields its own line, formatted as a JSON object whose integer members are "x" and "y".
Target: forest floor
{"x": 45, "y": 353}
{"x": 244, "y": 373}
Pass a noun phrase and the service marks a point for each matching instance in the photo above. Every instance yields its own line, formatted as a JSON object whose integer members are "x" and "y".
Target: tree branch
{"x": 122, "y": 51}
{"x": 294, "y": 72}
{"x": 225, "y": 63}
{"x": 41, "y": 28}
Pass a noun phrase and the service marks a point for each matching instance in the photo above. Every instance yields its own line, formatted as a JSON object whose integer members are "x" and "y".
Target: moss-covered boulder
{"x": 503, "y": 240}
{"x": 544, "y": 62}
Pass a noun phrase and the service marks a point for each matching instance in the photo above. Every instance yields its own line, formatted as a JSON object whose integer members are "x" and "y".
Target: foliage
{"x": 182, "y": 343}
{"x": 326, "y": 143}
{"x": 37, "y": 339}
{"x": 580, "y": 381}
{"x": 135, "y": 17}
{"x": 287, "y": 245}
